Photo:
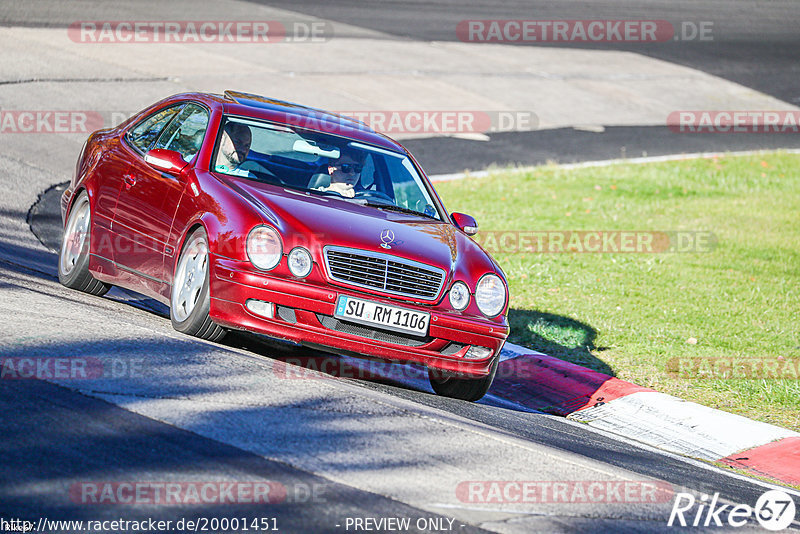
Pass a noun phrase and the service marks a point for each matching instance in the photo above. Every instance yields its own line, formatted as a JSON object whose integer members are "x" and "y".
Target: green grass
{"x": 629, "y": 314}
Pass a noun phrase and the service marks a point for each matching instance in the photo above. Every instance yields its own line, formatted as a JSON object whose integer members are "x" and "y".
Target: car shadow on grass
{"x": 560, "y": 374}
{"x": 558, "y": 336}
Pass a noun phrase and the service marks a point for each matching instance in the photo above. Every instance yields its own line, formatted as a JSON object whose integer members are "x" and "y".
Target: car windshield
{"x": 321, "y": 164}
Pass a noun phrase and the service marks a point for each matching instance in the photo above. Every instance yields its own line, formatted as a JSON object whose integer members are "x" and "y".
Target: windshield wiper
{"x": 337, "y": 196}
{"x": 395, "y": 207}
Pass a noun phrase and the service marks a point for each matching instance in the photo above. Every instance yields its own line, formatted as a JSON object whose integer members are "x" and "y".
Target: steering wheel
{"x": 375, "y": 194}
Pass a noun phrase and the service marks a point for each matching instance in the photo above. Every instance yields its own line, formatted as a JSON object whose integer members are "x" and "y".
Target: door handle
{"x": 130, "y": 180}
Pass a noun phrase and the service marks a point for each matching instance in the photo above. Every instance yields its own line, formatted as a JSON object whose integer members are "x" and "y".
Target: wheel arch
{"x": 210, "y": 225}
{"x": 71, "y": 203}
{"x": 190, "y": 229}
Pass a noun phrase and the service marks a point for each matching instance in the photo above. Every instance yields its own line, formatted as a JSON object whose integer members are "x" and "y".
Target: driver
{"x": 233, "y": 149}
{"x": 345, "y": 172}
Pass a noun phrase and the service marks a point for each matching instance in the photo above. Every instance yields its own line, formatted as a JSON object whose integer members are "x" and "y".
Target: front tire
{"x": 73, "y": 258}
{"x": 190, "y": 299}
{"x": 468, "y": 389}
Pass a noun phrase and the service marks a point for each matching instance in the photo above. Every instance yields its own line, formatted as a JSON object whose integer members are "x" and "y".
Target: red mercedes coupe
{"x": 245, "y": 212}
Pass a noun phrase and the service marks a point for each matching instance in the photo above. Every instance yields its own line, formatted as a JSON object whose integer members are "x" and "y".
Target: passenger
{"x": 233, "y": 149}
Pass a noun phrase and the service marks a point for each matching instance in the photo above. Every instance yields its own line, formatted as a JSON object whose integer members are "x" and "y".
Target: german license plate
{"x": 388, "y": 317}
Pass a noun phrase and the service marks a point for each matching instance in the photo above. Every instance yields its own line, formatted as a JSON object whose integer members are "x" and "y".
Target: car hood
{"x": 314, "y": 221}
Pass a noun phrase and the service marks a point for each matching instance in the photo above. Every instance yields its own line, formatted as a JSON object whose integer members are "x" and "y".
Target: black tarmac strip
{"x": 56, "y": 441}
{"x": 444, "y": 155}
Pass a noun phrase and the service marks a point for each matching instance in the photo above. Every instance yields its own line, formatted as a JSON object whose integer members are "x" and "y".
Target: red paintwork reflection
{"x": 142, "y": 215}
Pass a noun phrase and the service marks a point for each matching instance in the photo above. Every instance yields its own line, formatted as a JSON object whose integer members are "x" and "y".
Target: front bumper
{"x": 304, "y": 314}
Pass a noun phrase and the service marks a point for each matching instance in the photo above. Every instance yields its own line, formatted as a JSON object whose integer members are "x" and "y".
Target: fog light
{"x": 259, "y": 307}
{"x": 459, "y": 296}
{"x": 478, "y": 353}
{"x": 300, "y": 263}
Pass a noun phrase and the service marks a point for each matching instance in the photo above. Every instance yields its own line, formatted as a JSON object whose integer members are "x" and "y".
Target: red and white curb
{"x": 647, "y": 416}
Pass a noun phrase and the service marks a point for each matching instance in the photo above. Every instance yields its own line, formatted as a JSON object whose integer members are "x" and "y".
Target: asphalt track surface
{"x": 755, "y": 44}
{"x": 54, "y": 436}
{"x": 86, "y": 438}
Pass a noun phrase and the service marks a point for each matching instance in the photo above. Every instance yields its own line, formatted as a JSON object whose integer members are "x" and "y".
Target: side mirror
{"x": 165, "y": 160}
{"x": 465, "y": 222}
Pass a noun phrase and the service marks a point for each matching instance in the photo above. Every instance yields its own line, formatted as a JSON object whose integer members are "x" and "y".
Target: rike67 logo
{"x": 774, "y": 510}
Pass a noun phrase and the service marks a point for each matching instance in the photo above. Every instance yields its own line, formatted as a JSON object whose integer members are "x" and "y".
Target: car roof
{"x": 291, "y": 114}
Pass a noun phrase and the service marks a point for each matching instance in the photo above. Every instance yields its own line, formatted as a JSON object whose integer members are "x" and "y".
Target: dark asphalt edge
{"x": 34, "y": 210}
{"x": 69, "y": 398}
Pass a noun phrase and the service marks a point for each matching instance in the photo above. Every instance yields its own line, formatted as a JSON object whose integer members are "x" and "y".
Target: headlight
{"x": 300, "y": 262}
{"x": 264, "y": 247}
{"x": 459, "y": 296}
{"x": 490, "y": 294}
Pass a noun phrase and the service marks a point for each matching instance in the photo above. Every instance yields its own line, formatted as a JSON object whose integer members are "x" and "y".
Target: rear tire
{"x": 73, "y": 257}
{"x": 468, "y": 389}
{"x": 190, "y": 300}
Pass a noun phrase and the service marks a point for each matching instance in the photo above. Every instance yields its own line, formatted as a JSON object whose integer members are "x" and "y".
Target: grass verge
{"x": 714, "y": 321}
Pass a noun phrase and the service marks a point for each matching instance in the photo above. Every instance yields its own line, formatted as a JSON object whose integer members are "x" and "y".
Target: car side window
{"x": 185, "y": 134}
{"x": 143, "y": 134}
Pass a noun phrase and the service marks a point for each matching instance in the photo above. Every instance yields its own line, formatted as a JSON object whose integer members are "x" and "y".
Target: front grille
{"x": 333, "y": 323}
{"x": 384, "y": 272}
